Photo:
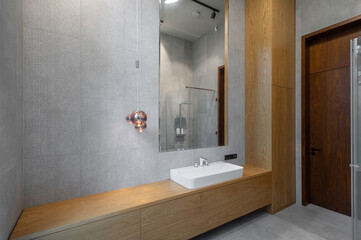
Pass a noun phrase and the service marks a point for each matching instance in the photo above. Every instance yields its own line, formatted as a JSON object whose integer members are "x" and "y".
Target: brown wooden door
{"x": 329, "y": 121}
{"x": 330, "y": 140}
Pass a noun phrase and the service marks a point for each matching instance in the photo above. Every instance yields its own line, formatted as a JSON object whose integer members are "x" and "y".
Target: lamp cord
{"x": 139, "y": 33}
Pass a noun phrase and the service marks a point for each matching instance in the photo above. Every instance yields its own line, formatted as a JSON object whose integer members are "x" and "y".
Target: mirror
{"x": 193, "y": 74}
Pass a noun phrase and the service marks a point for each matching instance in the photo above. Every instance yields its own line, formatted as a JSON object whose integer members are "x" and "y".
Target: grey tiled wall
{"x": 80, "y": 83}
{"x": 11, "y": 115}
{"x": 311, "y": 16}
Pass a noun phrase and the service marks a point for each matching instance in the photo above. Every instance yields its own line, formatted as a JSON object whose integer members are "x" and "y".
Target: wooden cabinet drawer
{"x": 121, "y": 227}
{"x": 190, "y": 216}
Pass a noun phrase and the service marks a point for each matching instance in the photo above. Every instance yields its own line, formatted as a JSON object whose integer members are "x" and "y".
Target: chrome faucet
{"x": 203, "y": 162}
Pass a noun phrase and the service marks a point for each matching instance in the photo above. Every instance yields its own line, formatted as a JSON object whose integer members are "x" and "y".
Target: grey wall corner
{"x": 11, "y": 115}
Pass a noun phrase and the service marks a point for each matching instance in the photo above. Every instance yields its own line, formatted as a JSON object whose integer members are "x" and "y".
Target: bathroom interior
{"x": 180, "y": 119}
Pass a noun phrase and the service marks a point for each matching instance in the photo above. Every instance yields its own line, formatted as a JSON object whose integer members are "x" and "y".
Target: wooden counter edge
{"x": 20, "y": 236}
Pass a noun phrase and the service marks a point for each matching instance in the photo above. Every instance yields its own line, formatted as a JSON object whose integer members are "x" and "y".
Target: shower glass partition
{"x": 188, "y": 118}
{"x": 204, "y": 123}
{"x": 356, "y": 136}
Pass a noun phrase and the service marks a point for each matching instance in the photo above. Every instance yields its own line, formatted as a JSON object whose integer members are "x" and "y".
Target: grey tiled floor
{"x": 294, "y": 223}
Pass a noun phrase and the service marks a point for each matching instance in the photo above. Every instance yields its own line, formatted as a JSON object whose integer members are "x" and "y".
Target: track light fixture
{"x": 215, "y": 11}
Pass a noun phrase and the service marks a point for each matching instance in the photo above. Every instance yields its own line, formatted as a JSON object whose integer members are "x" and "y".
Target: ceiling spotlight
{"x": 196, "y": 14}
{"x": 213, "y": 16}
{"x": 170, "y": 1}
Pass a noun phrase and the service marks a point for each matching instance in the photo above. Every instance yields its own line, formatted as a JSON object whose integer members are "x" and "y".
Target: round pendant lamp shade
{"x": 138, "y": 118}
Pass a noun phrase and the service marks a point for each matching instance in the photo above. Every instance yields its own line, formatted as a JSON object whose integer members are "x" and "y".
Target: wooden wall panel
{"x": 283, "y": 43}
{"x": 258, "y": 83}
{"x": 124, "y": 227}
{"x": 283, "y": 105}
{"x": 190, "y": 216}
{"x": 283, "y": 148}
{"x": 270, "y": 82}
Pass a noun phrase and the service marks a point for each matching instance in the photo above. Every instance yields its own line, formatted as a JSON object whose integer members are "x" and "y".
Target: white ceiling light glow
{"x": 170, "y": 1}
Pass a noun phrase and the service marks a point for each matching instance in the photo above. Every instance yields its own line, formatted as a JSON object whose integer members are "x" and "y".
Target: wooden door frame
{"x": 305, "y": 101}
{"x": 221, "y": 106}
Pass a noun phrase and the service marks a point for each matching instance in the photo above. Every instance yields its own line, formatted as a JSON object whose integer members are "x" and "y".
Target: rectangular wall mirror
{"x": 193, "y": 96}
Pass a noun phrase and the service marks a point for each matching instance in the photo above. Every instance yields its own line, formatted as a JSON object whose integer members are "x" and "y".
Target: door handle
{"x": 314, "y": 150}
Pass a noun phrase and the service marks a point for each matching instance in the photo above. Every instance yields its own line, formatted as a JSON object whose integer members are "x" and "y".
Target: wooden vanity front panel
{"x": 190, "y": 216}
{"x": 167, "y": 210}
{"x": 124, "y": 227}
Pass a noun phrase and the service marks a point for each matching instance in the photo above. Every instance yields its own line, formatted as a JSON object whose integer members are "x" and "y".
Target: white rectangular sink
{"x": 196, "y": 177}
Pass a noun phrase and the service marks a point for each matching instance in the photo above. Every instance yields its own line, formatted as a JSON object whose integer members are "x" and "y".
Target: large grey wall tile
{"x": 102, "y": 75}
{"x": 148, "y": 167}
{"x": 98, "y": 26}
{"x": 11, "y": 37}
{"x": 11, "y": 200}
{"x": 59, "y": 17}
{"x": 236, "y": 75}
{"x": 99, "y": 173}
{"x": 50, "y": 179}
{"x": 98, "y": 125}
{"x": 51, "y": 94}
{"x": 128, "y": 167}
{"x": 11, "y": 115}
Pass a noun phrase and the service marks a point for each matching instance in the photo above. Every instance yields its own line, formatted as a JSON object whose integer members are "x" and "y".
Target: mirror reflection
{"x": 192, "y": 74}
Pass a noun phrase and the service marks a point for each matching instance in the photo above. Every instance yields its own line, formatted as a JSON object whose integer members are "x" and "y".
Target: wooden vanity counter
{"x": 45, "y": 220}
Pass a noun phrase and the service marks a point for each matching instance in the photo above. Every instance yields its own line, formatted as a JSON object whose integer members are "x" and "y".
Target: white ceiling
{"x": 179, "y": 22}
